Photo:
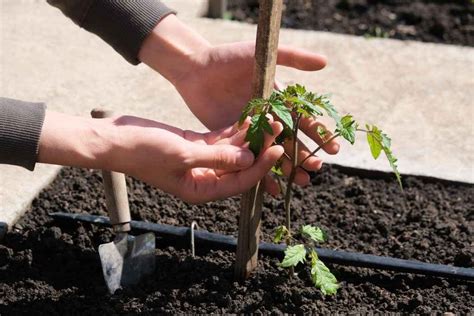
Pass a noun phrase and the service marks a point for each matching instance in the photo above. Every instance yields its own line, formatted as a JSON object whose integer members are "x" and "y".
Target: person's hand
{"x": 196, "y": 167}
{"x": 215, "y": 81}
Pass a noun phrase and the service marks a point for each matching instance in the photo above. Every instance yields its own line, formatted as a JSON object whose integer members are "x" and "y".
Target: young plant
{"x": 290, "y": 106}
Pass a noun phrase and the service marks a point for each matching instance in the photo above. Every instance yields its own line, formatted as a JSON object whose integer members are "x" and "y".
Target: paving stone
{"x": 420, "y": 93}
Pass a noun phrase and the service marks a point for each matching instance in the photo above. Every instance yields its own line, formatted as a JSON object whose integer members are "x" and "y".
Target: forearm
{"x": 80, "y": 142}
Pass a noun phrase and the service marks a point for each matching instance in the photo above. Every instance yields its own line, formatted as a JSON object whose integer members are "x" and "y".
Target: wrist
{"x": 79, "y": 142}
{"x": 173, "y": 49}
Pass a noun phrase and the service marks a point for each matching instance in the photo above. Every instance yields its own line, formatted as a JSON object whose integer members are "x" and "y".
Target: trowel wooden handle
{"x": 115, "y": 191}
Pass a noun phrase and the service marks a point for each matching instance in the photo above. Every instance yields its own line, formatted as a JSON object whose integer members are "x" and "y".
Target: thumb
{"x": 221, "y": 157}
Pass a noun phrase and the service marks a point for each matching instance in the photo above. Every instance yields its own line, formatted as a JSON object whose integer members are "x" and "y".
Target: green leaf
{"x": 374, "y": 144}
{"x": 255, "y": 133}
{"x": 265, "y": 125}
{"x": 386, "y": 141}
{"x": 296, "y": 90}
{"x": 294, "y": 100}
{"x": 379, "y": 141}
{"x": 284, "y": 94}
{"x": 246, "y": 111}
{"x": 254, "y": 105}
{"x": 280, "y": 232}
{"x": 393, "y": 163}
{"x": 322, "y": 131}
{"x": 289, "y": 92}
{"x": 277, "y": 170}
{"x": 310, "y": 108}
{"x": 314, "y": 257}
{"x": 322, "y": 277}
{"x": 282, "y": 112}
{"x": 347, "y": 120}
{"x": 347, "y": 127}
{"x": 299, "y": 89}
{"x": 315, "y": 233}
{"x": 323, "y": 102}
{"x": 293, "y": 256}
{"x": 303, "y": 111}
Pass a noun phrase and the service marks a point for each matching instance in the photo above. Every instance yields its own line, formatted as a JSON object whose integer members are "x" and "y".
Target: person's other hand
{"x": 196, "y": 167}
{"x": 215, "y": 81}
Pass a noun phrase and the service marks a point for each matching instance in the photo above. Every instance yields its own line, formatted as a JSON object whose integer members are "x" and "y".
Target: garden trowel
{"x": 128, "y": 258}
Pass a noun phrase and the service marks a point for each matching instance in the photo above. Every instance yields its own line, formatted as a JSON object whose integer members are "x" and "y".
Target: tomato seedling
{"x": 290, "y": 106}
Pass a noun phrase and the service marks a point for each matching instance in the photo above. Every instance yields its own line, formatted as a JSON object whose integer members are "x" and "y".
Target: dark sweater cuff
{"x": 124, "y": 24}
{"x": 20, "y": 130}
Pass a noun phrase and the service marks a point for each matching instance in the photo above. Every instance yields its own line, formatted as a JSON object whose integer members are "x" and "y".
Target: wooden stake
{"x": 263, "y": 82}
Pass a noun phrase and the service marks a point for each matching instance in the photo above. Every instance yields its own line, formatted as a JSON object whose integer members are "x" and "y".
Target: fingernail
{"x": 245, "y": 158}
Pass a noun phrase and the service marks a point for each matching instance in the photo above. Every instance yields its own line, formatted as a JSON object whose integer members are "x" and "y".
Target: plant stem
{"x": 280, "y": 184}
{"x": 289, "y": 187}
{"x": 319, "y": 148}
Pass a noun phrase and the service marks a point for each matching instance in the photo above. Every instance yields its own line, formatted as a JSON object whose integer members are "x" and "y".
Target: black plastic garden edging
{"x": 182, "y": 234}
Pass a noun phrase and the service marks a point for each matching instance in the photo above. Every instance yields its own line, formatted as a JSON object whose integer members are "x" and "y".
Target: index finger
{"x": 300, "y": 59}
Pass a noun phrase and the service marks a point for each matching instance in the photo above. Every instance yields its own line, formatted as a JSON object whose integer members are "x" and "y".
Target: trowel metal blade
{"x": 127, "y": 259}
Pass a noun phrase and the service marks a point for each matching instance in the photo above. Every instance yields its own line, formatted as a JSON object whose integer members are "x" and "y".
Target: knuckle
{"x": 191, "y": 135}
{"x": 184, "y": 156}
{"x": 221, "y": 158}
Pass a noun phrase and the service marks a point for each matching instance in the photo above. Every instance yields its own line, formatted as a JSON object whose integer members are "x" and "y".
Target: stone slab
{"x": 45, "y": 57}
{"x": 420, "y": 93}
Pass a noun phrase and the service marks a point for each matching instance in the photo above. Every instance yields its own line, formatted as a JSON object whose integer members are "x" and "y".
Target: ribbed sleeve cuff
{"x": 20, "y": 130}
{"x": 124, "y": 24}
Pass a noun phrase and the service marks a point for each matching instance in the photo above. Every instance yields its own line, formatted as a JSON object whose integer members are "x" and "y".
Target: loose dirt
{"x": 54, "y": 269}
{"x": 438, "y": 21}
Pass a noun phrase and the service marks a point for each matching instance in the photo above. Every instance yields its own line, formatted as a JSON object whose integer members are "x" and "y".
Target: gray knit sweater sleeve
{"x": 20, "y": 129}
{"x": 123, "y": 24}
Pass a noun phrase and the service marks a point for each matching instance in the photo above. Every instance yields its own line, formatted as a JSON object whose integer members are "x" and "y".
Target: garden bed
{"x": 438, "y": 21}
{"x": 51, "y": 268}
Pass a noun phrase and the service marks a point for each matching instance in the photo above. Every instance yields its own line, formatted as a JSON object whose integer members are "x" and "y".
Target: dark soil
{"x": 438, "y": 21}
{"x": 51, "y": 268}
